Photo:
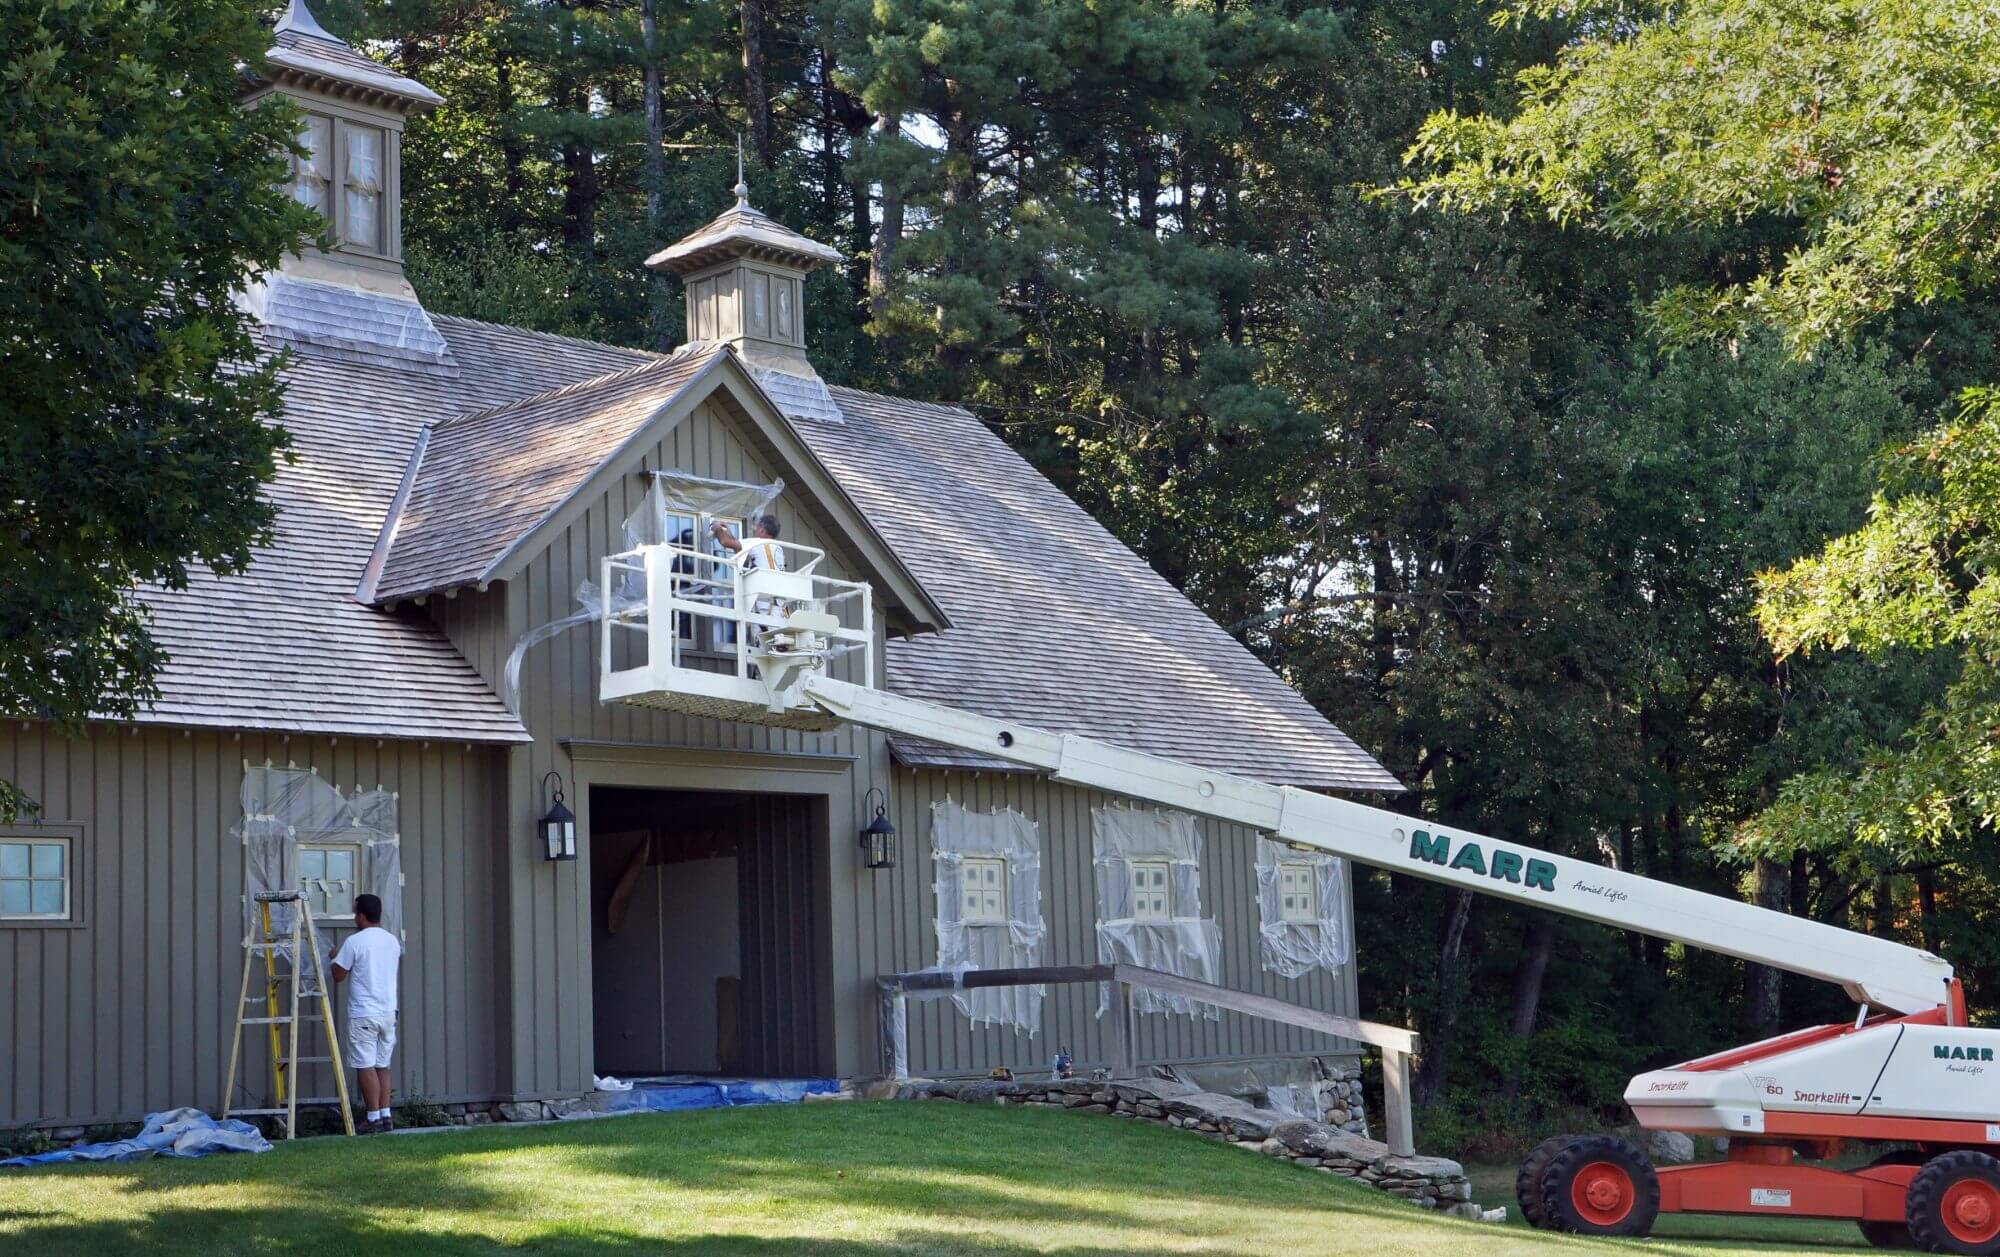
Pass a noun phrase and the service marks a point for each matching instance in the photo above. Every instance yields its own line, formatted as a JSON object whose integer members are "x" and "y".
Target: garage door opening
{"x": 707, "y": 933}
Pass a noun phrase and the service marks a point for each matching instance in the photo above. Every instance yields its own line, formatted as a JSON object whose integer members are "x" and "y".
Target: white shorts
{"x": 370, "y": 1042}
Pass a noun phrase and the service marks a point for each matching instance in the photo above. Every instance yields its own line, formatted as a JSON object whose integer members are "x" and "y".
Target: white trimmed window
{"x": 330, "y": 877}
{"x": 1152, "y": 890}
{"x": 35, "y": 878}
{"x": 983, "y": 890}
{"x": 1298, "y": 894}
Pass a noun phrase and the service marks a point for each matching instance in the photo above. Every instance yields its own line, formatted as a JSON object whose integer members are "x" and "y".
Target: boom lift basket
{"x": 727, "y": 636}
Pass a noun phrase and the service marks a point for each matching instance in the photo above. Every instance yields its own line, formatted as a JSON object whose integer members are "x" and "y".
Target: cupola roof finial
{"x": 299, "y": 19}
{"x": 742, "y": 188}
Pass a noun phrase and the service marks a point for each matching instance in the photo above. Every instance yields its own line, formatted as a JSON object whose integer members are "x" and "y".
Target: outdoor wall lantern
{"x": 558, "y": 826}
{"x": 878, "y": 840}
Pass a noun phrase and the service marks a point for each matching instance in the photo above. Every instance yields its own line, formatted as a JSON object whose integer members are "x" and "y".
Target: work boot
{"x": 387, "y": 1124}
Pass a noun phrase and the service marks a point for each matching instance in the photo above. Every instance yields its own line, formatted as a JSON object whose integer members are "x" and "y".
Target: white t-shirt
{"x": 370, "y": 957}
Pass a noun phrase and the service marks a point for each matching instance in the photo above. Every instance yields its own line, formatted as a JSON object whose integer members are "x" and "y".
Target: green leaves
{"x": 136, "y": 197}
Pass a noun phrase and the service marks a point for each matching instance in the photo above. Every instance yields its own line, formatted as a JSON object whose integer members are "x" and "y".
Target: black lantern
{"x": 558, "y": 828}
{"x": 878, "y": 840}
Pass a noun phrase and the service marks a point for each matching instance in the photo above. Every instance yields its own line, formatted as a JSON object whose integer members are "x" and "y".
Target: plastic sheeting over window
{"x": 989, "y": 864}
{"x": 1294, "y": 947}
{"x": 673, "y": 509}
{"x": 284, "y": 808}
{"x": 364, "y": 183}
{"x": 1129, "y": 845}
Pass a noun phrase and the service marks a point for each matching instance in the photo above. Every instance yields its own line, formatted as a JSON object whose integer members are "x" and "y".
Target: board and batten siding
{"x": 877, "y": 922}
{"x": 548, "y": 931}
{"x": 902, "y": 936}
{"x": 129, "y": 1010}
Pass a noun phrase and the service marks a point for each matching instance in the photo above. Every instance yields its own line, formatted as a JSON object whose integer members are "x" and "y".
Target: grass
{"x": 849, "y": 1180}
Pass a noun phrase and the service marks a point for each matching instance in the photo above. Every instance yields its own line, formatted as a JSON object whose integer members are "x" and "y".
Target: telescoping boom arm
{"x": 1876, "y": 972}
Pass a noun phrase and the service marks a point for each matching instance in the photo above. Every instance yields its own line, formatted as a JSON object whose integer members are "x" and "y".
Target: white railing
{"x": 679, "y": 608}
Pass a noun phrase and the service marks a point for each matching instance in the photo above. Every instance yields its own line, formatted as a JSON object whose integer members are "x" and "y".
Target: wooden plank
{"x": 1124, "y": 1064}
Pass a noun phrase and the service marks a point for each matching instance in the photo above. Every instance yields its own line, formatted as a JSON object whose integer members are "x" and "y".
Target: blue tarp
{"x": 694, "y": 1092}
{"x": 173, "y": 1133}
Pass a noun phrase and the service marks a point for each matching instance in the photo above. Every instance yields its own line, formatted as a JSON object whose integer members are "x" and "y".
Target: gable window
{"x": 983, "y": 882}
{"x": 35, "y": 876}
{"x": 330, "y": 877}
{"x": 313, "y": 172}
{"x": 1298, "y": 894}
{"x": 1152, "y": 890}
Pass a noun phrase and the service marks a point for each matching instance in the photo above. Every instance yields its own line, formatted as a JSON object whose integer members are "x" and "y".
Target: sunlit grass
{"x": 855, "y": 1180}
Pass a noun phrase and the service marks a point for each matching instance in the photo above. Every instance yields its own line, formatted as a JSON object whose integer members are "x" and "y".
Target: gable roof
{"x": 1053, "y": 621}
{"x": 285, "y": 646}
{"x": 1059, "y": 624}
{"x": 484, "y": 491}
{"x": 481, "y": 482}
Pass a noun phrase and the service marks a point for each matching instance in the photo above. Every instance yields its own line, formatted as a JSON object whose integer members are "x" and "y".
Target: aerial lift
{"x": 1907, "y": 1071}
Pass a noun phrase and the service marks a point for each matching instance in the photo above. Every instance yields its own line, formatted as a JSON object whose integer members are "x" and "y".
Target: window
{"x": 362, "y": 183}
{"x": 313, "y": 171}
{"x": 34, "y": 879}
{"x": 1152, "y": 891}
{"x": 330, "y": 877}
{"x": 983, "y": 885}
{"x": 1298, "y": 894}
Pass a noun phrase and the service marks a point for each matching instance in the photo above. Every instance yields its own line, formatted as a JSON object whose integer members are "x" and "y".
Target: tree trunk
{"x": 512, "y": 156}
{"x": 1529, "y": 972}
{"x": 756, "y": 88}
{"x": 1927, "y": 906}
{"x": 1885, "y": 905}
{"x": 961, "y": 210}
{"x": 882, "y": 259}
{"x": 656, "y": 167}
{"x": 1432, "y": 1077}
{"x": 1771, "y": 888}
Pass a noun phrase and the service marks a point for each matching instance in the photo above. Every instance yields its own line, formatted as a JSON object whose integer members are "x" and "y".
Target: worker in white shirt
{"x": 368, "y": 962}
{"x": 761, "y": 551}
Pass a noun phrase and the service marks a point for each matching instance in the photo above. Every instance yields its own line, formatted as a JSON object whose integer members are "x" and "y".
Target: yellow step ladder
{"x": 300, "y": 947}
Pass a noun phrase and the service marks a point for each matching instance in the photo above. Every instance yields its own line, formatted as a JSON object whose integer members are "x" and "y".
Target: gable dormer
{"x": 347, "y": 292}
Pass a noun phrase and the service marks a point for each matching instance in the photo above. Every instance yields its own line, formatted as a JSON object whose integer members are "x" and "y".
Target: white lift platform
{"x": 692, "y": 633}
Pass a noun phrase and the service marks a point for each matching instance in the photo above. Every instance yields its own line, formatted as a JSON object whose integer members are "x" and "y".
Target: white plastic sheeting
{"x": 661, "y": 517}
{"x": 1181, "y": 942}
{"x": 1014, "y": 942}
{"x": 286, "y": 807}
{"x": 1295, "y": 948}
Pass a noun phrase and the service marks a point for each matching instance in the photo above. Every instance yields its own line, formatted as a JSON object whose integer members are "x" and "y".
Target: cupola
{"x": 350, "y": 293}
{"x": 744, "y": 275}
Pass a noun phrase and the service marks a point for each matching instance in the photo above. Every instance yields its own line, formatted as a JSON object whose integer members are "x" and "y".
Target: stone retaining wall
{"x": 1429, "y": 1182}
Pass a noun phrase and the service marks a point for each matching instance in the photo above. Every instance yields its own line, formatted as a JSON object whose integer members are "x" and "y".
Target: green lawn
{"x": 854, "y": 1180}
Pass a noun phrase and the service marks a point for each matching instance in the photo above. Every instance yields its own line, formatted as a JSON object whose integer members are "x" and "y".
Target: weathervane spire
{"x": 742, "y": 188}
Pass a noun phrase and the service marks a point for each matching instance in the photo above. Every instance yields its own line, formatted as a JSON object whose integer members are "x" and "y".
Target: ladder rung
{"x": 280, "y": 1021}
{"x": 310, "y": 1060}
{"x": 303, "y": 1101}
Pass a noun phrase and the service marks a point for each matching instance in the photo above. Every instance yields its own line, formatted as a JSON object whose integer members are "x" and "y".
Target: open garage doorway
{"x": 707, "y": 932}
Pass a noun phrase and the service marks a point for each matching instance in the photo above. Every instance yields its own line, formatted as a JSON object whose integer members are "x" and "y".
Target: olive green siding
{"x": 129, "y": 1010}
{"x": 879, "y": 922}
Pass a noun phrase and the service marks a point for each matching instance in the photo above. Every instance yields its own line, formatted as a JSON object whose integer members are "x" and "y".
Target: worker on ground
{"x": 761, "y": 551}
{"x": 368, "y": 961}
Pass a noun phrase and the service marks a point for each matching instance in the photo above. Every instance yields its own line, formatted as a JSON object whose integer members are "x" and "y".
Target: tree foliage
{"x": 135, "y": 198}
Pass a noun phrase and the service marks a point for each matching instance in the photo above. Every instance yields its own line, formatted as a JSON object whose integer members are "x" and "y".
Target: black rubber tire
{"x": 1559, "y": 1208}
{"x": 1923, "y": 1206}
{"x": 1528, "y": 1180}
{"x": 1891, "y": 1234}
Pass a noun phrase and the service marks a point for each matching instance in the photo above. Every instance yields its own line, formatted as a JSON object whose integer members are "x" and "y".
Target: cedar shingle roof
{"x": 1055, "y": 622}
{"x": 287, "y": 646}
{"x": 486, "y": 479}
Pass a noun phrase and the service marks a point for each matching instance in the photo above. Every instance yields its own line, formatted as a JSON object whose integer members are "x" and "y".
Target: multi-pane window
{"x": 363, "y": 182}
{"x": 1152, "y": 890}
{"x": 330, "y": 877}
{"x": 1298, "y": 893}
{"x": 314, "y": 172}
{"x": 34, "y": 879}
{"x": 983, "y": 888}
